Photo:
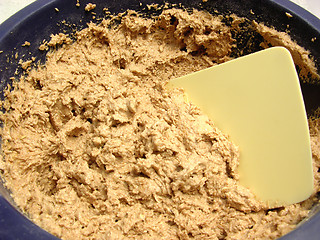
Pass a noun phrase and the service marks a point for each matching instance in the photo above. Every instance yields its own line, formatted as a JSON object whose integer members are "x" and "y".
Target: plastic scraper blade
{"x": 257, "y": 101}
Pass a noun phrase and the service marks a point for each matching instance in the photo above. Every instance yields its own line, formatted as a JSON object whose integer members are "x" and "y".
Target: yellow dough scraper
{"x": 257, "y": 101}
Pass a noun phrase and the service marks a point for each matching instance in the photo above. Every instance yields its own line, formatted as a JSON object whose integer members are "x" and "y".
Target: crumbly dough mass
{"x": 95, "y": 147}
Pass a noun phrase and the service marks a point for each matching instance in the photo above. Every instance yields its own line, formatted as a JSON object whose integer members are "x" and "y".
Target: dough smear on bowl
{"x": 95, "y": 147}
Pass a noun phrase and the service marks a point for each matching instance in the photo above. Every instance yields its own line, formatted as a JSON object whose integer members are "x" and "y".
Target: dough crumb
{"x": 26, "y": 43}
{"x": 289, "y": 15}
{"x": 44, "y": 46}
{"x": 59, "y": 39}
{"x": 106, "y": 11}
{"x": 25, "y": 64}
{"x": 90, "y": 7}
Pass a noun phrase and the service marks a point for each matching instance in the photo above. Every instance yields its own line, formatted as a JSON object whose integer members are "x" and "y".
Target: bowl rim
{"x": 14, "y": 20}
{"x": 301, "y": 12}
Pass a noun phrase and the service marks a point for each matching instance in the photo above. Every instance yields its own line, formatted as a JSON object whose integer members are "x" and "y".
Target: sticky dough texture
{"x": 96, "y": 148}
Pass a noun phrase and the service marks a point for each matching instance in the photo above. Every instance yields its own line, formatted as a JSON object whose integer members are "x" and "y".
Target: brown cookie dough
{"x": 95, "y": 147}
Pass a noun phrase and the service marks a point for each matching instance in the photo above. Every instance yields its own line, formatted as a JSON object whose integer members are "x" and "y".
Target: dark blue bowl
{"x": 37, "y": 21}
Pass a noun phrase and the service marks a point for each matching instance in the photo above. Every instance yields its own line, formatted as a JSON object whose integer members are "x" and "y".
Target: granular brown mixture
{"x": 95, "y": 147}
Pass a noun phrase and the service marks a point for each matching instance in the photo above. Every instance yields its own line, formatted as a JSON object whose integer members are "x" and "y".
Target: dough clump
{"x": 95, "y": 146}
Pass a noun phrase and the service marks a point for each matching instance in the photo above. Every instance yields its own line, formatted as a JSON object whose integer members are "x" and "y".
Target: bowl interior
{"x": 39, "y": 20}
